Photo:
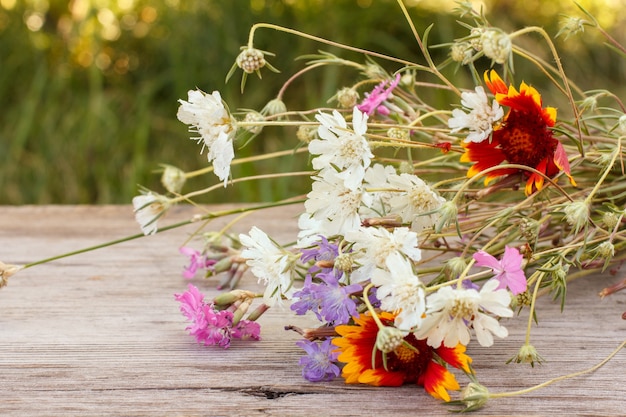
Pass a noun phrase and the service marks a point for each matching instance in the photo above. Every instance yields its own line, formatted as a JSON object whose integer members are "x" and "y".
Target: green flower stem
{"x": 254, "y": 158}
{"x": 557, "y": 60}
{"x": 431, "y": 64}
{"x": 533, "y": 301}
{"x": 237, "y": 180}
{"x": 212, "y": 215}
{"x": 608, "y": 169}
{"x": 370, "y": 307}
{"x": 329, "y": 42}
{"x": 560, "y": 378}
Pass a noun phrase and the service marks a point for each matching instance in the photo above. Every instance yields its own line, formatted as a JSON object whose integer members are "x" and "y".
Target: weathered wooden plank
{"x": 100, "y": 334}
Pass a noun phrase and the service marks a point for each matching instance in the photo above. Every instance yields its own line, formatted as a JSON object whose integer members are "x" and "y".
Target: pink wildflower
{"x": 196, "y": 261}
{"x": 208, "y": 325}
{"x": 508, "y": 271}
{"x": 247, "y": 329}
{"x": 211, "y": 326}
{"x": 374, "y": 101}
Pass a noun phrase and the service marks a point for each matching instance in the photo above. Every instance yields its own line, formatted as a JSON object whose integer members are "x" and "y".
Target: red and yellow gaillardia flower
{"x": 524, "y": 138}
{"x": 419, "y": 364}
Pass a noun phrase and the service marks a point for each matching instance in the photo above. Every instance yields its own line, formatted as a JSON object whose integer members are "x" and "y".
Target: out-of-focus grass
{"x": 87, "y": 113}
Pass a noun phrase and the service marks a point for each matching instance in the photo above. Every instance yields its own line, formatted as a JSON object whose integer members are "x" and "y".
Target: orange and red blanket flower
{"x": 524, "y": 138}
{"x": 412, "y": 362}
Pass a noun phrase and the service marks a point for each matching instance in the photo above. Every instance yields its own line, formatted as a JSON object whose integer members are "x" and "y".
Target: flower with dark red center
{"x": 523, "y": 138}
{"x": 411, "y": 362}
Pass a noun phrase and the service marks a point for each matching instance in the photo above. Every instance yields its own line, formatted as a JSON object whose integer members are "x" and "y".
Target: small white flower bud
{"x": 605, "y": 250}
{"x": 347, "y": 97}
{"x": 6, "y": 271}
{"x": 250, "y": 60}
{"x": 476, "y": 36}
{"x": 253, "y": 117}
{"x": 527, "y": 354}
{"x": 306, "y": 133}
{"x": 610, "y": 219}
{"x": 389, "y": 338}
{"x": 274, "y": 107}
{"x": 396, "y": 133}
{"x": 577, "y": 214}
{"x": 496, "y": 45}
{"x": 173, "y": 179}
{"x": 461, "y": 52}
{"x": 344, "y": 262}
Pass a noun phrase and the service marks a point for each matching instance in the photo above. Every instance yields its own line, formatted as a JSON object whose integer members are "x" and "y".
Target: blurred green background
{"x": 89, "y": 88}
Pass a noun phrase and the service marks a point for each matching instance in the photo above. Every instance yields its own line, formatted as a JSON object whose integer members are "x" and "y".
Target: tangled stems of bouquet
{"x": 386, "y": 259}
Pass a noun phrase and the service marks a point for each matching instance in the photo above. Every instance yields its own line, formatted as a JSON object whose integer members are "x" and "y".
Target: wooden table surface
{"x": 101, "y": 334}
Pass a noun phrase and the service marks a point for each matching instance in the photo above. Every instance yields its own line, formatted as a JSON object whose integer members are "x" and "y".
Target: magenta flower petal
{"x": 482, "y": 258}
{"x": 508, "y": 271}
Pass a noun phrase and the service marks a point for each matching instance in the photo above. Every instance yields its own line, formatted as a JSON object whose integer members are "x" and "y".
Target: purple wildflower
{"x": 308, "y": 299}
{"x": 336, "y": 307}
{"x": 324, "y": 251}
{"x": 374, "y": 101}
{"x": 508, "y": 271}
{"x": 319, "y": 364}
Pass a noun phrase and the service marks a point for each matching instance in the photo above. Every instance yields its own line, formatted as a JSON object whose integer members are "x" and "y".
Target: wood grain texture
{"x": 100, "y": 334}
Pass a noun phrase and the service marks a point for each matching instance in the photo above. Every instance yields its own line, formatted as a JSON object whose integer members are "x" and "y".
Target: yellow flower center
{"x": 411, "y": 358}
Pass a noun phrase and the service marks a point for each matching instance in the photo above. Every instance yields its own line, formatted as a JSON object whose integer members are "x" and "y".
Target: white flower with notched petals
{"x": 400, "y": 290}
{"x": 413, "y": 199}
{"x": 480, "y": 118}
{"x": 373, "y": 245}
{"x": 271, "y": 264}
{"x": 149, "y": 208}
{"x": 342, "y": 147}
{"x": 207, "y": 115}
{"x": 452, "y": 311}
{"x": 333, "y": 205}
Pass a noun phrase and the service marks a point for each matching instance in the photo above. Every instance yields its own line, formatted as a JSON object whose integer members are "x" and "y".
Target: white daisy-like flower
{"x": 149, "y": 208}
{"x": 342, "y": 147}
{"x": 333, "y": 205}
{"x": 400, "y": 290}
{"x": 271, "y": 264}
{"x": 207, "y": 115}
{"x": 452, "y": 311}
{"x": 377, "y": 179}
{"x": 414, "y": 199}
{"x": 480, "y": 117}
{"x": 373, "y": 245}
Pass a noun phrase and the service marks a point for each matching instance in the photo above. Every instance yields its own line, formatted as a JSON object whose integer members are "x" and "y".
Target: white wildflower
{"x": 400, "y": 290}
{"x": 149, "y": 208}
{"x": 480, "y": 117}
{"x": 270, "y": 263}
{"x": 452, "y": 311}
{"x": 346, "y": 149}
{"x": 377, "y": 180}
{"x": 373, "y": 245}
{"x": 206, "y": 115}
{"x": 413, "y": 200}
{"x": 334, "y": 205}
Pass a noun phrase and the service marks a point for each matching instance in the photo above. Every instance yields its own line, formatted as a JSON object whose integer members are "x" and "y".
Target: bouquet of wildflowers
{"x": 424, "y": 226}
